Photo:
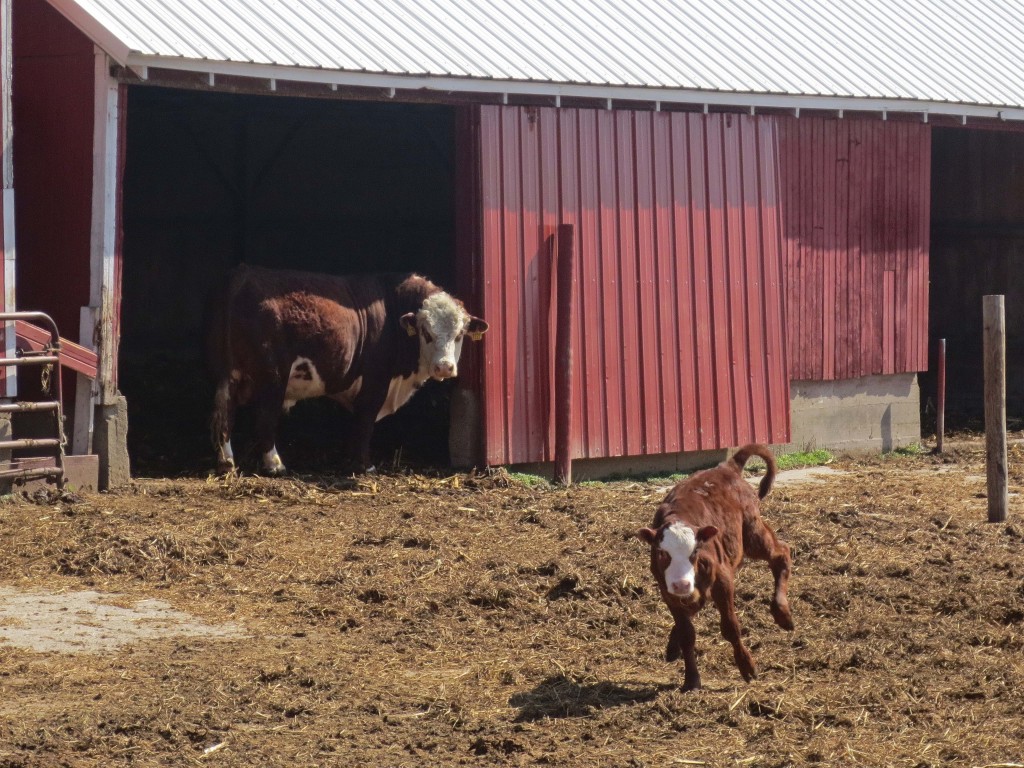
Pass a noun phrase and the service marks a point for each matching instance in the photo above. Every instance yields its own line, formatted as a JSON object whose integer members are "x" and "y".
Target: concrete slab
{"x": 90, "y": 622}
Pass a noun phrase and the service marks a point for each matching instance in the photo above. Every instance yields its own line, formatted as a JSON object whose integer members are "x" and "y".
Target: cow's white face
{"x": 679, "y": 541}
{"x": 442, "y": 324}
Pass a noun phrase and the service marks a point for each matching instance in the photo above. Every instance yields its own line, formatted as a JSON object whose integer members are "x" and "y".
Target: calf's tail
{"x": 740, "y": 458}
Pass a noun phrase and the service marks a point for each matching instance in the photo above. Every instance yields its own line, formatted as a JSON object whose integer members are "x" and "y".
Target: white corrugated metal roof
{"x": 930, "y": 52}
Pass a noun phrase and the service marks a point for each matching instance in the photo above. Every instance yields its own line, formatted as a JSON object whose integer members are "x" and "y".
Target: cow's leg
{"x": 268, "y": 405}
{"x": 722, "y": 593}
{"x": 221, "y": 424}
{"x": 761, "y": 543}
{"x": 362, "y": 433}
{"x": 682, "y": 641}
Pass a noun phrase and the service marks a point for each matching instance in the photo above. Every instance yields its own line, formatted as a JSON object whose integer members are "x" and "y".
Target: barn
{"x": 775, "y": 210}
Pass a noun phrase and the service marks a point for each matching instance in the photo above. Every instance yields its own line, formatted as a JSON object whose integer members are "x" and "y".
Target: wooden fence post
{"x": 995, "y": 406}
{"x": 566, "y": 271}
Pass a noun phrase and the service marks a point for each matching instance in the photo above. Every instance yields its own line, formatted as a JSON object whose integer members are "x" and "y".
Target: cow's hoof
{"x": 226, "y": 468}
{"x": 691, "y": 684}
{"x": 278, "y": 471}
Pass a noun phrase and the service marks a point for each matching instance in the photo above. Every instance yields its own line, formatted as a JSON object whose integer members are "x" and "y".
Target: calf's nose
{"x": 682, "y": 588}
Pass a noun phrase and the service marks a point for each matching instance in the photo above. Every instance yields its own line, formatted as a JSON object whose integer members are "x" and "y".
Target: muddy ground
{"x": 473, "y": 620}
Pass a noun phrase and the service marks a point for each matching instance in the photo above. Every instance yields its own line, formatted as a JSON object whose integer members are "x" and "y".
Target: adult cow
{"x": 367, "y": 341}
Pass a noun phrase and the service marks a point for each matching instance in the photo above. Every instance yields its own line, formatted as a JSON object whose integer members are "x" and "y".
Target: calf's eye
{"x": 427, "y": 337}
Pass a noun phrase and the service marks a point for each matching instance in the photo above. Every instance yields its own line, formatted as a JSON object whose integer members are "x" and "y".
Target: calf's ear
{"x": 648, "y": 535}
{"x": 705, "y": 533}
{"x": 476, "y": 328}
{"x": 408, "y": 321}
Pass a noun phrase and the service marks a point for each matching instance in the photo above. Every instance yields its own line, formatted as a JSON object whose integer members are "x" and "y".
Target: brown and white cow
{"x": 702, "y": 532}
{"x": 367, "y": 341}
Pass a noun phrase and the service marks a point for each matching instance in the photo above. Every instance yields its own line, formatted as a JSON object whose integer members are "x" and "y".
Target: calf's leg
{"x": 761, "y": 543}
{"x": 682, "y": 641}
{"x": 722, "y": 592}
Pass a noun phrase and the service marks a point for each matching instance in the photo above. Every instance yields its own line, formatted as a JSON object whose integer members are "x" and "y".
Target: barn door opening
{"x": 214, "y": 179}
{"x": 977, "y": 245}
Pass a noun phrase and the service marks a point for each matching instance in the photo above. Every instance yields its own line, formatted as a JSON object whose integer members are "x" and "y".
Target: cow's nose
{"x": 445, "y": 369}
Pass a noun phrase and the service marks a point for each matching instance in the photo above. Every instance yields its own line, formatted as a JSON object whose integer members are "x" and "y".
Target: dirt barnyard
{"x": 477, "y": 619}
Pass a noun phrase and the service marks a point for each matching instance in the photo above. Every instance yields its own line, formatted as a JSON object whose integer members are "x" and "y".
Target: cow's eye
{"x": 663, "y": 558}
{"x": 426, "y": 336}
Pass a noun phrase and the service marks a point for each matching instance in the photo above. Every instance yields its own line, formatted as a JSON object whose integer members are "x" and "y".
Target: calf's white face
{"x": 679, "y": 541}
{"x": 442, "y": 325}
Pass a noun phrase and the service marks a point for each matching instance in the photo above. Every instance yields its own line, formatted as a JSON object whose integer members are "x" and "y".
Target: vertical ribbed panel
{"x": 856, "y": 197}
{"x": 678, "y": 333}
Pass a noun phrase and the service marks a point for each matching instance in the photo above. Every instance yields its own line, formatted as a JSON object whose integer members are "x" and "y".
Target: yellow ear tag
{"x": 411, "y": 330}
{"x": 476, "y": 336}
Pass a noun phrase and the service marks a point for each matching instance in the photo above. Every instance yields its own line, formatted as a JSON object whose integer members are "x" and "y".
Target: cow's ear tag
{"x": 408, "y": 321}
{"x": 476, "y": 336}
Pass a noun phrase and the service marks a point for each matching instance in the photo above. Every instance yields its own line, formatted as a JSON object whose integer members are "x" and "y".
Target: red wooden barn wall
{"x": 53, "y": 115}
{"x": 678, "y": 337}
{"x": 855, "y": 201}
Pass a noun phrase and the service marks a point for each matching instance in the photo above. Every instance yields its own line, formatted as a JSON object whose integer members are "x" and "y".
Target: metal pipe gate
{"x": 50, "y": 467}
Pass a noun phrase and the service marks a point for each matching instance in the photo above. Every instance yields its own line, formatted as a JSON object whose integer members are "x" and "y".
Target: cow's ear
{"x": 648, "y": 535}
{"x": 706, "y": 533}
{"x": 408, "y": 321}
{"x": 476, "y": 328}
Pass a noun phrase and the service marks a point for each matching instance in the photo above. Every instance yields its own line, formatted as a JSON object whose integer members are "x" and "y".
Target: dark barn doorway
{"x": 214, "y": 179}
{"x": 977, "y": 243}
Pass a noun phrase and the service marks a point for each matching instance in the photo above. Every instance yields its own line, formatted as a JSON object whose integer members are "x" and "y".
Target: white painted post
{"x": 96, "y": 329}
{"x": 10, "y": 388}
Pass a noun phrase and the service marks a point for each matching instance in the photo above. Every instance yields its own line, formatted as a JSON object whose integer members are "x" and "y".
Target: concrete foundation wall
{"x": 869, "y": 414}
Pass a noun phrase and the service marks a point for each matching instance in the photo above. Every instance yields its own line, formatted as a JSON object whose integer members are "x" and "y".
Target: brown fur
{"x": 723, "y": 510}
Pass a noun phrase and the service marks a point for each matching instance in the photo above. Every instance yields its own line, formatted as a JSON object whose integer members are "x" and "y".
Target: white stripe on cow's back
{"x": 303, "y": 382}
{"x": 400, "y": 390}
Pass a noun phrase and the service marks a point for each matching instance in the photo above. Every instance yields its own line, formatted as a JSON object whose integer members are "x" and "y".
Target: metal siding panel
{"x": 533, "y": 416}
{"x": 589, "y": 238}
{"x": 650, "y": 391}
{"x": 719, "y": 286}
{"x": 665, "y": 295}
{"x": 704, "y": 325}
{"x": 684, "y": 261}
{"x": 513, "y": 247}
{"x": 754, "y": 252}
{"x": 735, "y": 278}
{"x": 629, "y": 317}
{"x": 675, "y": 257}
{"x": 496, "y": 426}
{"x": 775, "y": 311}
{"x": 610, "y": 299}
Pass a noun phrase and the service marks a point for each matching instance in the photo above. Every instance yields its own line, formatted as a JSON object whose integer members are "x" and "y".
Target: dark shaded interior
{"x": 214, "y": 179}
{"x": 977, "y": 240}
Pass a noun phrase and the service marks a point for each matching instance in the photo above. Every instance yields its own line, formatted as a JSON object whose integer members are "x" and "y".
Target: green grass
{"x": 530, "y": 481}
{"x": 804, "y": 459}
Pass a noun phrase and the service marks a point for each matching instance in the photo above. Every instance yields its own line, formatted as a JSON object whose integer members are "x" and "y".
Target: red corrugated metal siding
{"x": 856, "y": 199}
{"x": 678, "y": 329}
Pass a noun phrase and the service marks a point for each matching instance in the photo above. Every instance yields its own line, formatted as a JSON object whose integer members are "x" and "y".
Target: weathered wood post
{"x": 995, "y": 406}
{"x": 566, "y": 276}
{"x": 940, "y": 398}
